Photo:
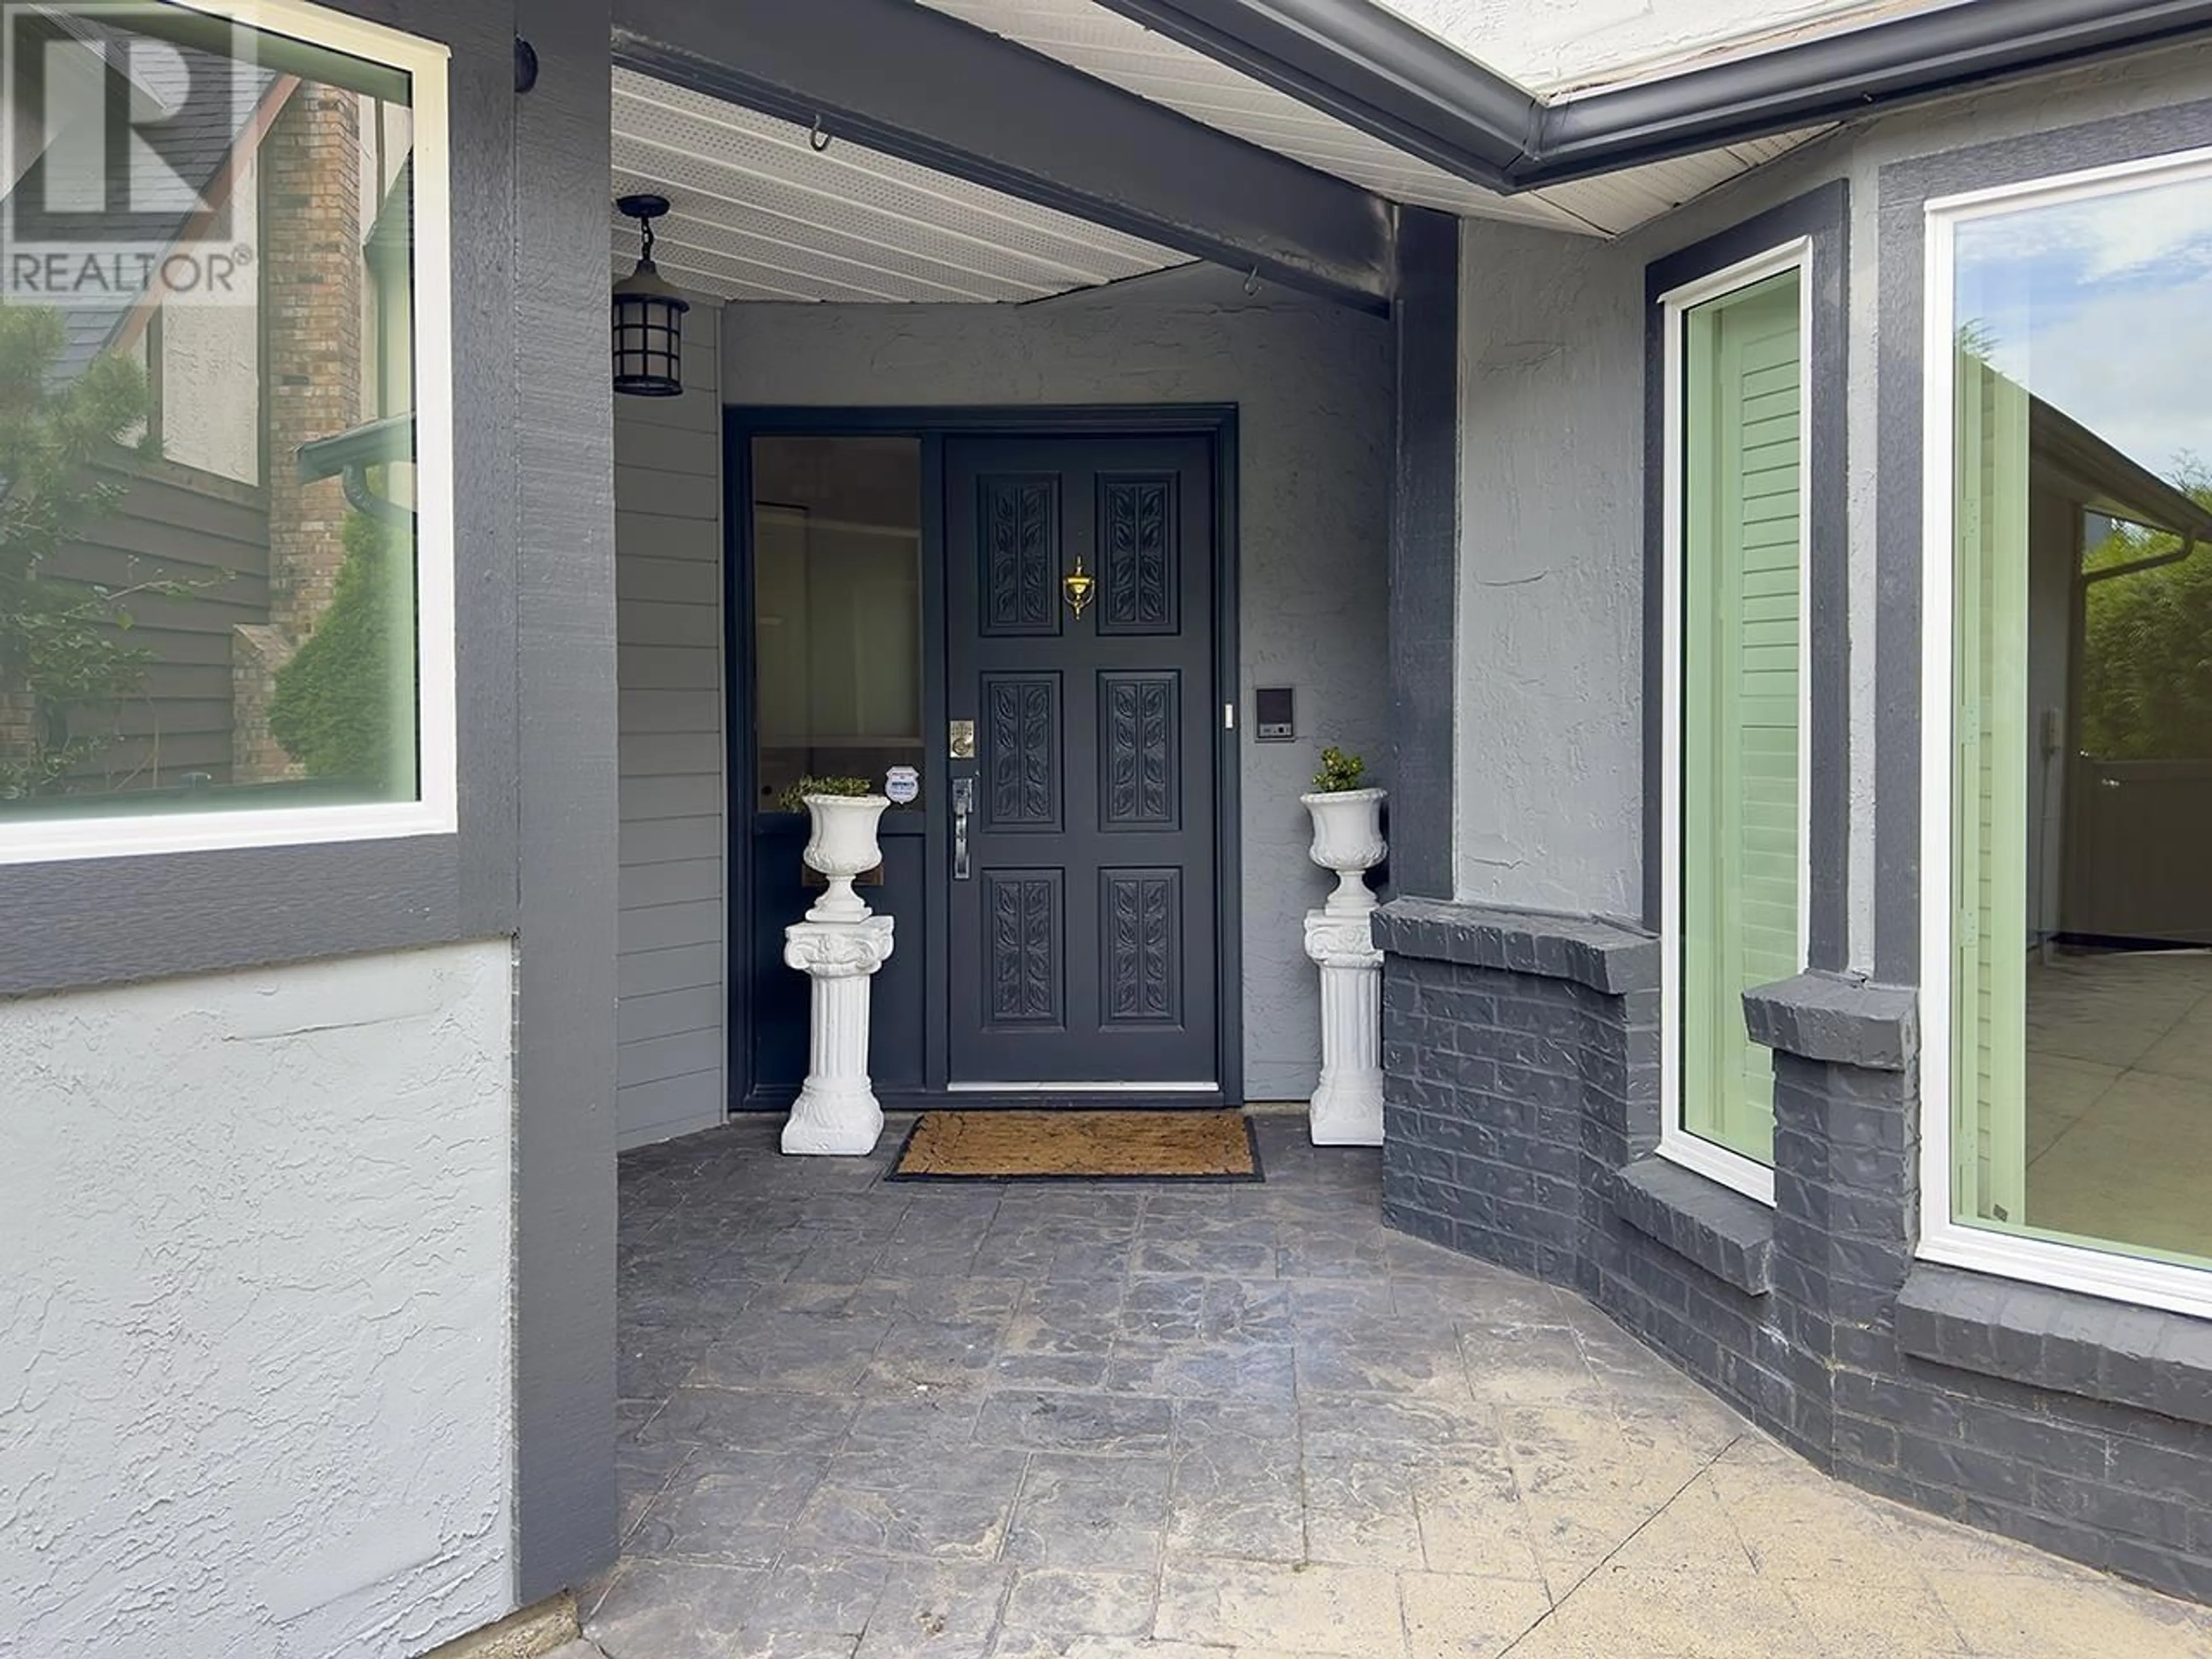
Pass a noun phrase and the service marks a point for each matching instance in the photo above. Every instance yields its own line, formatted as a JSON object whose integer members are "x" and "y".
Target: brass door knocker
{"x": 1079, "y": 586}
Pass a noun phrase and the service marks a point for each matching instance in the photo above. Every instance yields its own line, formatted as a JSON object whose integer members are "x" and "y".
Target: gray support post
{"x": 564, "y": 1329}
{"x": 1425, "y": 552}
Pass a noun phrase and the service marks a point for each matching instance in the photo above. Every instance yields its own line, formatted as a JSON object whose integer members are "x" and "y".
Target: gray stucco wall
{"x": 1549, "y": 718}
{"x": 1313, "y": 385}
{"x": 259, "y": 1398}
{"x": 670, "y": 1015}
{"x": 1550, "y": 745}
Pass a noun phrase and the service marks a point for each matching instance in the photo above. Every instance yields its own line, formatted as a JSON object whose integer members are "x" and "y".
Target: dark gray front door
{"x": 1082, "y": 928}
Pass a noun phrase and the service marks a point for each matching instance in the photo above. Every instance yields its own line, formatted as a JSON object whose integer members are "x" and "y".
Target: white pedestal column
{"x": 836, "y": 1113}
{"x": 1347, "y": 1107}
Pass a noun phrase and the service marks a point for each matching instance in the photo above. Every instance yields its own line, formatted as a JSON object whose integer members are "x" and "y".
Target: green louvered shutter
{"x": 1741, "y": 816}
{"x": 1989, "y": 725}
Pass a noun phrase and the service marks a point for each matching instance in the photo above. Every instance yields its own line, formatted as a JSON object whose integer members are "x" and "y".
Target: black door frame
{"x": 933, "y": 425}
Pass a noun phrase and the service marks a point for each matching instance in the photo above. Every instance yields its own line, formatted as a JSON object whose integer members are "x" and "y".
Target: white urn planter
{"x": 1347, "y": 838}
{"x": 1346, "y": 1109}
{"x": 839, "y": 947}
{"x": 841, "y": 846}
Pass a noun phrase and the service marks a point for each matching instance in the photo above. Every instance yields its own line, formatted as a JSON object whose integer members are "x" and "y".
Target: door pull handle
{"x": 963, "y": 802}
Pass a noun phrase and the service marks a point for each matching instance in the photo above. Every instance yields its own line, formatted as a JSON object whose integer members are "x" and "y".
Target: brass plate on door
{"x": 961, "y": 740}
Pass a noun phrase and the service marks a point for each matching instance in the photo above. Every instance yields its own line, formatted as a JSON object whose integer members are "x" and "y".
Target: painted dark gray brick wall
{"x": 1521, "y": 1055}
{"x": 1494, "y": 1049}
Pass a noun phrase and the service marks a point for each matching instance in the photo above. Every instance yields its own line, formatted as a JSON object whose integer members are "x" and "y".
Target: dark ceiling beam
{"x": 1370, "y": 68}
{"x": 899, "y": 77}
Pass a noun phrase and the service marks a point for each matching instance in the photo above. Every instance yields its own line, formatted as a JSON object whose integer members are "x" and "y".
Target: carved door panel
{"x": 1082, "y": 929}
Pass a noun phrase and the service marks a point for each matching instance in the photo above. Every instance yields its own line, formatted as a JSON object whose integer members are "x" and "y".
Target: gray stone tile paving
{"x": 864, "y": 1421}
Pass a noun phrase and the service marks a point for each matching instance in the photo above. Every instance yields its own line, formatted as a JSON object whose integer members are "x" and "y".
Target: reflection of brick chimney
{"x": 310, "y": 308}
{"x": 19, "y": 724}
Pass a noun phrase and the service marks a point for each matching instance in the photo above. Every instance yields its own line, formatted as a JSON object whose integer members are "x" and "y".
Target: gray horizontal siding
{"x": 666, "y": 711}
{"x": 207, "y": 537}
{"x": 665, "y": 754}
{"x": 645, "y": 622}
{"x": 665, "y": 926}
{"x": 652, "y": 668}
{"x": 661, "y": 494}
{"x": 664, "y": 447}
{"x": 670, "y": 840}
{"x": 679, "y": 580}
{"x": 660, "y": 1110}
{"x": 648, "y": 886}
{"x": 650, "y": 973}
{"x": 670, "y": 1015}
{"x": 644, "y": 798}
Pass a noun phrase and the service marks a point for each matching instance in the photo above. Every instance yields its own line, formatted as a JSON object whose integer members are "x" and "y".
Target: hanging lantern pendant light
{"x": 648, "y": 316}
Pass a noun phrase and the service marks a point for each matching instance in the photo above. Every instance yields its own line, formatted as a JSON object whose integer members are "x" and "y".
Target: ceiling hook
{"x": 1252, "y": 282}
{"x": 818, "y": 139}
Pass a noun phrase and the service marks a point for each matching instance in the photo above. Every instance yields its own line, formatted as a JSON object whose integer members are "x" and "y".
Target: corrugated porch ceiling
{"x": 758, "y": 213}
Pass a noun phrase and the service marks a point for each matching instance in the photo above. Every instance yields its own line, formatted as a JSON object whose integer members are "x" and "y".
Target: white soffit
{"x": 1618, "y": 201}
{"x": 1104, "y": 43}
{"x": 756, "y": 213}
{"x": 1555, "y": 47}
{"x": 1125, "y": 54}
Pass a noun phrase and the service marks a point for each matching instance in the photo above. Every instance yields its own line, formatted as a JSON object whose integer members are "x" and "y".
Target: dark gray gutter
{"x": 350, "y": 453}
{"x": 1372, "y": 70}
{"x": 1367, "y": 67}
{"x": 1836, "y": 77}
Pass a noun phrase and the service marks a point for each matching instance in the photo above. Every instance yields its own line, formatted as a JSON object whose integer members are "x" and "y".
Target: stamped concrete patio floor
{"x": 1183, "y": 1420}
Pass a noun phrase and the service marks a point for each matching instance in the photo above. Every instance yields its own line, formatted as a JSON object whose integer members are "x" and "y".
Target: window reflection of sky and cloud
{"x": 2099, "y": 308}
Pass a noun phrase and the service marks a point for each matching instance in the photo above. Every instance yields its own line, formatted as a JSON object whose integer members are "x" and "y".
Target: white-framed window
{"x": 2066, "y": 926}
{"x": 229, "y": 623}
{"x": 1733, "y": 891}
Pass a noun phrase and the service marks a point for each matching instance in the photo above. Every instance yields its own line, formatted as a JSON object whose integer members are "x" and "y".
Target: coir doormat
{"x": 1079, "y": 1145}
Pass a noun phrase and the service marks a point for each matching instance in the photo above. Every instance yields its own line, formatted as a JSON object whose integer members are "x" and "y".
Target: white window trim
{"x": 2093, "y": 1271}
{"x": 1730, "y": 1168}
{"x": 437, "y": 810}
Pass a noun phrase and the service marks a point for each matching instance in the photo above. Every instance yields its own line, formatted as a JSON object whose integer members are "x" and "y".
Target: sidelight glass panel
{"x": 837, "y": 657}
{"x": 1741, "y": 556}
{"x": 2080, "y": 925}
{"x": 212, "y": 574}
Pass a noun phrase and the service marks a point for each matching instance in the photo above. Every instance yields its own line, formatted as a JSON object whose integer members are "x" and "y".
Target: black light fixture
{"x": 648, "y": 316}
